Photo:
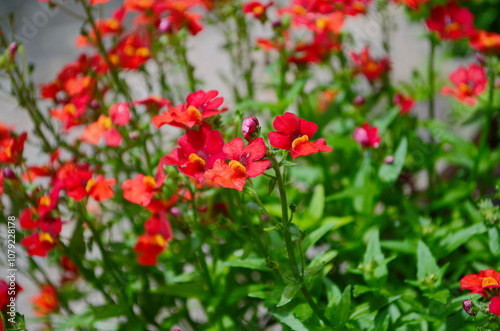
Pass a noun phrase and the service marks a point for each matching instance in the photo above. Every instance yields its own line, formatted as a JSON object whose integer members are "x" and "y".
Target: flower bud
{"x": 13, "y": 49}
{"x": 250, "y": 128}
{"x": 389, "y": 159}
{"x": 94, "y": 104}
{"x": 468, "y": 307}
{"x": 165, "y": 26}
{"x": 480, "y": 59}
{"x": 277, "y": 24}
{"x": 359, "y": 100}
{"x": 8, "y": 173}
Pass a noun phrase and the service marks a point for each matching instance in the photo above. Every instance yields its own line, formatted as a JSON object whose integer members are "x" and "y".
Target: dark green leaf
{"x": 288, "y": 294}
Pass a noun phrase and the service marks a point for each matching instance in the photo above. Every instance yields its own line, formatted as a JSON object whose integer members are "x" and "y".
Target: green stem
{"x": 432, "y": 115}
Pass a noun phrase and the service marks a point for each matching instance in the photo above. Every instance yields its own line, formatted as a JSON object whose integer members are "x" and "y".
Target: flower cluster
{"x": 487, "y": 284}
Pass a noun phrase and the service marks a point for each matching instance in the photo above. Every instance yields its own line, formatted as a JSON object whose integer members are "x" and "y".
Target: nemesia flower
{"x": 131, "y": 52}
{"x": 46, "y": 302}
{"x": 198, "y": 150}
{"x": 11, "y": 147}
{"x": 244, "y": 162}
{"x": 486, "y": 42}
{"x": 413, "y": 4}
{"x": 200, "y": 105}
{"x": 120, "y": 113}
{"x": 404, "y": 102}
{"x": 257, "y": 9}
{"x": 326, "y": 98}
{"x": 73, "y": 178}
{"x": 154, "y": 241}
{"x": 70, "y": 270}
{"x": 140, "y": 190}
{"x": 111, "y": 26}
{"x": 38, "y": 244}
{"x": 451, "y": 22}
{"x": 494, "y": 306}
{"x": 317, "y": 51}
{"x": 367, "y": 136}
{"x": 469, "y": 83}
{"x": 153, "y": 103}
{"x": 102, "y": 128}
{"x": 4, "y": 294}
{"x": 100, "y": 188}
{"x": 364, "y": 63}
{"x": 26, "y": 221}
{"x": 294, "y": 134}
{"x": 485, "y": 283}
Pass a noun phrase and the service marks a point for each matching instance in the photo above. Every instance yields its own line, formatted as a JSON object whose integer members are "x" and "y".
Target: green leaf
{"x": 317, "y": 205}
{"x": 340, "y": 313}
{"x": 184, "y": 290}
{"x": 494, "y": 243}
{"x": 290, "y": 320}
{"x": 426, "y": 263}
{"x": 384, "y": 122}
{"x": 451, "y": 242}
{"x": 454, "y": 194}
{"x": 374, "y": 262}
{"x": 316, "y": 235}
{"x": 389, "y": 173}
{"x": 288, "y": 294}
{"x": 319, "y": 261}
{"x": 249, "y": 263}
{"x": 382, "y": 320}
{"x": 272, "y": 184}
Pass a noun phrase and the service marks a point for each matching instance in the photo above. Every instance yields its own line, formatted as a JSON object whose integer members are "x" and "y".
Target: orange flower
{"x": 486, "y": 42}
{"x": 100, "y": 188}
{"x": 140, "y": 190}
{"x": 46, "y": 302}
{"x": 469, "y": 83}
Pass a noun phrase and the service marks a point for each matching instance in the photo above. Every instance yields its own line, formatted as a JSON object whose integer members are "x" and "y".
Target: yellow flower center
{"x": 450, "y": 27}
{"x": 258, "y": 10}
{"x": 489, "y": 281}
{"x": 46, "y": 238}
{"x": 194, "y": 158}
{"x": 299, "y": 141}
{"x": 149, "y": 181}
{"x": 70, "y": 108}
{"x": 322, "y": 22}
{"x": 158, "y": 240}
{"x": 237, "y": 166}
{"x": 104, "y": 122}
{"x": 45, "y": 201}
{"x": 91, "y": 183}
{"x": 194, "y": 112}
{"x": 142, "y": 52}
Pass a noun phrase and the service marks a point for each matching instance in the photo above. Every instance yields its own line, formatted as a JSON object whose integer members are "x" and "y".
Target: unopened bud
{"x": 165, "y": 26}
{"x": 94, "y": 104}
{"x": 359, "y": 100}
{"x": 250, "y": 128}
{"x": 13, "y": 49}
{"x": 469, "y": 307}
{"x": 389, "y": 159}
{"x": 277, "y": 24}
{"x": 8, "y": 173}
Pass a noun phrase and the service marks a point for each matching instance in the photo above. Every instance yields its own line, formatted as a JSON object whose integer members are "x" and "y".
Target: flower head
{"x": 367, "y": 136}
{"x": 404, "y": 102}
{"x": 295, "y": 134}
{"x": 494, "y": 306}
{"x": 365, "y": 64}
{"x": 451, "y": 21}
{"x": 485, "y": 283}
{"x": 140, "y": 190}
{"x": 46, "y": 301}
{"x": 469, "y": 83}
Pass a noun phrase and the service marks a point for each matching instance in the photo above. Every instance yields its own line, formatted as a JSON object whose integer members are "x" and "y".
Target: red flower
{"x": 199, "y": 149}
{"x": 367, "y": 136}
{"x": 140, "y": 190}
{"x": 131, "y": 52}
{"x": 470, "y": 82}
{"x": 73, "y": 178}
{"x": 38, "y": 244}
{"x": 486, "y": 283}
{"x": 100, "y": 188}
{"x": 11, "y": 146}
{"x": 26, "y": 221}
{"x": 4, "y": 293}
{"x": 413, "y": 4}
{"x": 451, "y": 21}
{"x": 257, "y": 9}
{"x": 200, "y": 105}
{"x": 244, "y": 162}
{"x": 120, "y": 113}
{"x": 154, "y": 241}
{"x": 404, "y": 102}
{"x": 294, "y": 134}
{"x": 46, "y": 302}
{"x": 372, "y": 69}
{"x": 102, "y": 128}
{"x": 494, "y": 306}
{"x": 486, "y": 42}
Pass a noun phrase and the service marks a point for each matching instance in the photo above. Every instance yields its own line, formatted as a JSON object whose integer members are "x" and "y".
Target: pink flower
{"x": 367, "y": 136}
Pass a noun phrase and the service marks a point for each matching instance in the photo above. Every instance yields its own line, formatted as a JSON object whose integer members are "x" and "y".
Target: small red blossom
{"x": 200, "y": 105}
{"x": 39, "y": 244}
{"x": 11, "y": 146}
{"x": 26, "y": 220}
{"x": 469, "y": 83}
{"x": 102, "y": 128}
{"x": 451, "y": 22}
{"x": 404, "y": 102}
{"x": 364, "y": 63}
{"x": 140, "y": 190}
{"x": 46, "y": 302}
{"x": 100, "y": 188}
{"x": 294, "y": 134}
{"x": 131, "y": 52}
{"x": 154, "y": 241}
{"x": 494, "y": 306}
{"x": 257, "y": 9}
{"x": 367, "y": 136}
{"x": 485, "y": 283}
{"x": 70, "y": 270}
{"x": 486, "y": 42}
{"x": 198, "y": 150}
{"x": 413, "y": 4}
{"x": 120, "y": 113}
{"x": 73, "y": 178}
{"x": 244, "y": 162}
